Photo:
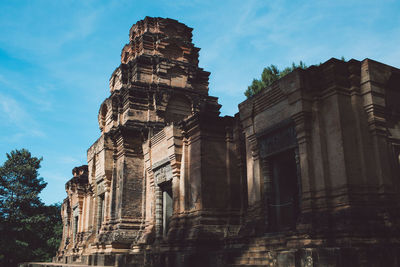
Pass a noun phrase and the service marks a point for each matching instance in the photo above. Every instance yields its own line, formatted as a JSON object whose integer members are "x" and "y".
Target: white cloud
{"x": 69, "y": 160}
{"x": 38, "y": 95}
{"x": 51, "y": 176}
{"x": 13, "y": 113}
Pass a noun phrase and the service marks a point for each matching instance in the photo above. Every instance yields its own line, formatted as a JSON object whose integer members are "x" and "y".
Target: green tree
{"x": 27, "y": 226}
{"x": 46, "y": 227}
{"x": 268, "y": 76}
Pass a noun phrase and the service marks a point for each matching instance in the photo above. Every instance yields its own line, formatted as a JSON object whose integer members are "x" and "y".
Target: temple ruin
{"x": 307, "y": 173}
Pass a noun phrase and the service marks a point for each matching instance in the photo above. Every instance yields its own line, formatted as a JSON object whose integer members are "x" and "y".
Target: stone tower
{"x": 158, "y": 83}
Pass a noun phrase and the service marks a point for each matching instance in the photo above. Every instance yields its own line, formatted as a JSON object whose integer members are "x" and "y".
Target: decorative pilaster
{"x": 305, "y": 172}
{"x": 302, "y": 122}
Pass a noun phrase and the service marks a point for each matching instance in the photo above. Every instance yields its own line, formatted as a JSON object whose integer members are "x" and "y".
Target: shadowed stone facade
{"x": 306, "y": 174}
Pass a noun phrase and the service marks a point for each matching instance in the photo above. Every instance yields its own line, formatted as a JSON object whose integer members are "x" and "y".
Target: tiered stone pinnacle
{"x": 160, "y": 51}
{"x": 158, "y": 81}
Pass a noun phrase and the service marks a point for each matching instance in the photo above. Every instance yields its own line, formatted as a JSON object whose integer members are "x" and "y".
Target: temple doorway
{"x": 284, "y": 198}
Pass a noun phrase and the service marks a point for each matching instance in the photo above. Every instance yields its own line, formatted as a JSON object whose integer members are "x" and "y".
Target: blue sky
{"x": 56, "y": 58}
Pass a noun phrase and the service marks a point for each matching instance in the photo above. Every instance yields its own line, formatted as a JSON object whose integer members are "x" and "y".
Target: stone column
{"x": 159, "y": 211}
{"x": 82, "y": 214}
{"x": 107, "y": 201}
{"x": 100, "y": 211}
{"x": 113, "y": 194}
{"x": 254, "y": 179}
{"x": 183, "y": 177}
{"x": 91, "y": 211}
{"x": 80, "y": 221}
{"x": 175, "y": 194}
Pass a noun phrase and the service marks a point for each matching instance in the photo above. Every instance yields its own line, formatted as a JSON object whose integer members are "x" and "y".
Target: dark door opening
{"x": 284, "y": 198}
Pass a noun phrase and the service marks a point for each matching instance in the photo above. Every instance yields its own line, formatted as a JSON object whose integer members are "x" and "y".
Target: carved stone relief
{"x": 101, "y": 188}
{"x": 280, "y": 138}
{"x": 162, "y": 171}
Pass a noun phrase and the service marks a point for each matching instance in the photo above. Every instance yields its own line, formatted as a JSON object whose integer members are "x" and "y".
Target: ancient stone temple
{"x": 307, "y": 173}
{"x": 156, "y": 172}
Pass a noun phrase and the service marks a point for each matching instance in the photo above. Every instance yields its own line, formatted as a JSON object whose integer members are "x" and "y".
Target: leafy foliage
{"x": 268, "y": 76}
{"x": 29, "y": 230}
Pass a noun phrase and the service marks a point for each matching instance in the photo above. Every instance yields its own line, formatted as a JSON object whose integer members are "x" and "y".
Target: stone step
{"x": 52, "y": 264}
{"x": 254, "y": 253}
{"x": 252, "y": 261}
{"x": 257, "y": 248}
{"x": 246, "y": 265}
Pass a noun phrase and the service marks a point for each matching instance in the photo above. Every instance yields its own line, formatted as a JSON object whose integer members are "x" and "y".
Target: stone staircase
{"x": 255, "y": 253}
{"x": 253, "y": 256}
